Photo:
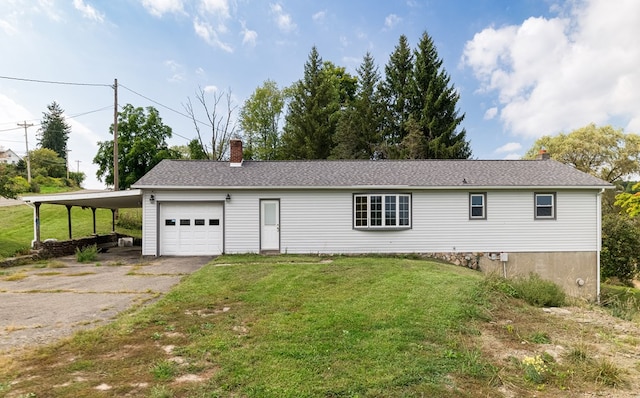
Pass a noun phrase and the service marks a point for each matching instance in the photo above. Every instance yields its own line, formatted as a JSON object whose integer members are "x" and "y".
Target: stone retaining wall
{"x": 60, "y": 248}
{"x": 469, "y": 260}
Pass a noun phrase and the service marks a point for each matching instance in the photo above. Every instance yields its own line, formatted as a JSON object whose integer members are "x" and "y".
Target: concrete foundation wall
{"x": 575, "y": 272}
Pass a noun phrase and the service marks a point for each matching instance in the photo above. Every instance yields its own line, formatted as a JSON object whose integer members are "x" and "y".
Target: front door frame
{"x": 262, "y": 226}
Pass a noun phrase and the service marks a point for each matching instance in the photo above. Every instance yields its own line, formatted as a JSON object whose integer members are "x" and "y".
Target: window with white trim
{"x": 380, "y": 211}
{"x": 477, "y": 206}
{"x": 545, "y": 205}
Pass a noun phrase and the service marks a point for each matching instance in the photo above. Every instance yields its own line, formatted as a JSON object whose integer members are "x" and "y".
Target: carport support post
{"x": 36, "y": 244}
{"x": 93, "y": 209}
{"x": 113, "y": 220}
{"x": 69, "y": 220}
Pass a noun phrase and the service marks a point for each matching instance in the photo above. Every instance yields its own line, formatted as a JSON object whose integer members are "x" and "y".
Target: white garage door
{"x": 190, "y": 229}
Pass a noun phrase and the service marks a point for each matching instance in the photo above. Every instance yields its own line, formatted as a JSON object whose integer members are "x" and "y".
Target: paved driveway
{"x": 39, "y": 305}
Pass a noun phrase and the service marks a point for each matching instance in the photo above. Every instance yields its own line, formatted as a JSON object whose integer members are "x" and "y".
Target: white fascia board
{"x": 369, "y": 187}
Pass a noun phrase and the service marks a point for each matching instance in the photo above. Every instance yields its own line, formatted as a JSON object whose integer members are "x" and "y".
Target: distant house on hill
{"x": 7, "y": 156}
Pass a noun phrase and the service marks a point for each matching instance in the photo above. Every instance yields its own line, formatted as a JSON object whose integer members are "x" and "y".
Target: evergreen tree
{"x": 433, "y": 106}
{"x": 397, "y": 96}
{"x": 54, "y": 131}
{"x": 312, "y": 116}
{"x": 359, "y": 127}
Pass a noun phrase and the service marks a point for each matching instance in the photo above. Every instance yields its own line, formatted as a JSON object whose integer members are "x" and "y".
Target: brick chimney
{"x": 543, "y": 155}
{"x": 236, "y": 153}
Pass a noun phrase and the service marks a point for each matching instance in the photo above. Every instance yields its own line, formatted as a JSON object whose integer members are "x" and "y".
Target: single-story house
{"x": 509, "y": 216}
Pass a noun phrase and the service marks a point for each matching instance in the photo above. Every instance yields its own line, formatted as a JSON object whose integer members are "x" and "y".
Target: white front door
{"x": 270, "y": 225}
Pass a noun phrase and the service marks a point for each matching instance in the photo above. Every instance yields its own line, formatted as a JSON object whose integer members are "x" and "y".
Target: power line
{"x": 66, "y": 117}
{"x": 55, "y": 82}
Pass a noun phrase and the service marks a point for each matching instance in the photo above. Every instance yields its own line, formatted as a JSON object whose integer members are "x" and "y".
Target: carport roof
{"x": 131, "y": 198}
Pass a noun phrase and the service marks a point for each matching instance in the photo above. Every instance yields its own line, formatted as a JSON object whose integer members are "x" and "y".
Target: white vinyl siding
{"x": 322, "y": 221}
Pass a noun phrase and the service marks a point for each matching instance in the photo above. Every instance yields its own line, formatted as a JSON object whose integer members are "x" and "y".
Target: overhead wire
{"x": 56, "y": 82}
{"x": 102, "y": 85}
{"x": 166, "y": 107}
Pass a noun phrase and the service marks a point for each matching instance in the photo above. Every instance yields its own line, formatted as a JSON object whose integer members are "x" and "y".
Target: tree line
{"x": 409, "y": 113}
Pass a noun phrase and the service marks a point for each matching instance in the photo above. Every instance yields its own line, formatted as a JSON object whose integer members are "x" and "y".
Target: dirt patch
{"x": 518, "y": 333}
{"x": 46, "y": 303}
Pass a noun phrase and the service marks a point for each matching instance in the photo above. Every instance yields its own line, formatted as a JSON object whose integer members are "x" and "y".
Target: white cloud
{"x": 490, "y": 113}
{"x": 88, "y": 11}
{"x": 509, "y": 147}
{"x": 282, "y": 19}
{"x": 209, "y": 35}
{"x": 249, "y": 36}
{"x": 210, "y": 89}
{"x": 512, "y": 156}
{"x": 319, "y": 16}
{"x": 558, "y": 74}
{"x": 158, "y": 8}
{"x": 176, "y": 69}
{"x": 391, "y": 21}
{"x": 219, "y": 8}
{"x": 344, "y": 42}
{"x": 8, "y": 27}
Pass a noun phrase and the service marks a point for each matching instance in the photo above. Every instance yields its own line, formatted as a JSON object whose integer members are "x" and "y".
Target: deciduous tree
{"x": 46, "y": 162}
{"x": 260, "y": 121}
{"x": 54, "y": 130}
{"x": 604, "y": 152}
{"x": 220, "y": 121}
{"x": 142, "y": 143}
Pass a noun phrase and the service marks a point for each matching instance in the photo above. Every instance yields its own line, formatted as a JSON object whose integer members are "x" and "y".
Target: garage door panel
{"x": 186, "y": 228}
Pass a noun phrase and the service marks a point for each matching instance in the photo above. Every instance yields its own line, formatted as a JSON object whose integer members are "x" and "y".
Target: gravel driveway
{"x": 40, "y": 305}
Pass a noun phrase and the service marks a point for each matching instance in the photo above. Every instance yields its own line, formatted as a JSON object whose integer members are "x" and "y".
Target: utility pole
{"x": 78, "y": 163}
{"x": 67, "y": 161}
{"x": 26, "y": 142}
{"x": 115, "y": 135}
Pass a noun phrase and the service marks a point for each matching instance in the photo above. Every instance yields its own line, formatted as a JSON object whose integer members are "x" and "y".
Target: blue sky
{"x": 524, "y": 68}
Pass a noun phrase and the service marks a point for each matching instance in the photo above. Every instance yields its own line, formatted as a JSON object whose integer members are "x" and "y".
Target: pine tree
{"x": 433, "y": 106}
{"x": 312, "y": 116}
{"x": 396, "y": 92}
{"x": 359, "y": 128}
{"x": 54, "y": 131}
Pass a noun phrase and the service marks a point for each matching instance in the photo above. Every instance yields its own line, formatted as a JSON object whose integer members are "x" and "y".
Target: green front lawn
{"x": 289, "y": 326}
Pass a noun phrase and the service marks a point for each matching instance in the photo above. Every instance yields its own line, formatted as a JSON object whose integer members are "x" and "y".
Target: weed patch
{"x": 16, "y": 276}
{"x": 87, "y": 254}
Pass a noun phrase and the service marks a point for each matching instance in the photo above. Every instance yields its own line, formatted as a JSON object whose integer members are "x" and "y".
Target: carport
{"x": 93, "y": 200}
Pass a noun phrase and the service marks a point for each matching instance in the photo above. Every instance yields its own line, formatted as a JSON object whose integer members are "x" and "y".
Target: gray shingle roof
{"x": 363, "y": 173}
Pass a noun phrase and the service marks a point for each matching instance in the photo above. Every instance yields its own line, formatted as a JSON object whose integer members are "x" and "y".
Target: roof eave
{"x": 377, "y": 187}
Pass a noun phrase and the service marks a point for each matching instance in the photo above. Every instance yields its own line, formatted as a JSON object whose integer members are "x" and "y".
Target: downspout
{"x": 599, "y": 242}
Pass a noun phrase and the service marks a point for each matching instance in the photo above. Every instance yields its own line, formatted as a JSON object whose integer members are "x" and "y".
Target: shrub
{"x": 538, "y": 292}
{"x": 86, "y": 254}
{"x": 130, "y": 219}
{"x": 620, "y": 241}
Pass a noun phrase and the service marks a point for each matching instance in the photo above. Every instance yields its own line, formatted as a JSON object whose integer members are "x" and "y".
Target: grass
{"x": 290, "y": 326}
{"x": 87, "y": 254}
{"x": 314, "y": 326}
{"x": 623, "y": 302}
{"x": 16, "y": 233}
